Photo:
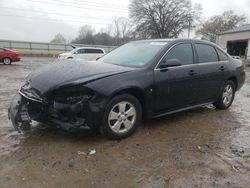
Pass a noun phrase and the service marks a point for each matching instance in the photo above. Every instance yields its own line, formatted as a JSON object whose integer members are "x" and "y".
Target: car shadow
{"x": 41, "y": 130}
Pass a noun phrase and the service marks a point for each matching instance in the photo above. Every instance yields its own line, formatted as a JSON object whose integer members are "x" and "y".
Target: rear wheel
{"x": 122, "y": 116}
{"x": 7, "y": 61}
{"x": 226, "y": 97}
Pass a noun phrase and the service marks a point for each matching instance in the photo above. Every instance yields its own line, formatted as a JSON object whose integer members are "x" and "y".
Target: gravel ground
{"x": 203, "y": 147}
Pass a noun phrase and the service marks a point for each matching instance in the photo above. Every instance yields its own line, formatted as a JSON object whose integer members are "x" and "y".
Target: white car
{"x": 236, "y": 57}
{"x": 88, "y": 54}
{"x": 247, "y": 62}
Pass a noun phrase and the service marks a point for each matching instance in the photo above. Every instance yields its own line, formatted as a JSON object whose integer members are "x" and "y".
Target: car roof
{"x": 176, "y": 40}
{"x": 89, "y": 48}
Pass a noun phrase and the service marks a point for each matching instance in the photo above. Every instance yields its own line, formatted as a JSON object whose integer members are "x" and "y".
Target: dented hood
{"x": 61, "y": 74}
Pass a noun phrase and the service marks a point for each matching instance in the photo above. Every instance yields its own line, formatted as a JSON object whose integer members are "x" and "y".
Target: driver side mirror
{"x": 170, "y": 63}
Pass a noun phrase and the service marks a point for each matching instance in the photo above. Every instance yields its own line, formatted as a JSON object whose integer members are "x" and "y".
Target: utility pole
{"x": 189, "y": 28}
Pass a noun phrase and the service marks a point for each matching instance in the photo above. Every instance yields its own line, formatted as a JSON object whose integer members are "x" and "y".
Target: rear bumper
{"x": 23, "y": 111}
{"x": 241, "y": 80}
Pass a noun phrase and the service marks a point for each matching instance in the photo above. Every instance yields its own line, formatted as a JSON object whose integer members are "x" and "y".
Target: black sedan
{"x": 142, "y": 79}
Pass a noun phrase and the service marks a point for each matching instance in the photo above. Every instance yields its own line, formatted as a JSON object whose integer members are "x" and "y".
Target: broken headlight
{"x": 73, "y": 95}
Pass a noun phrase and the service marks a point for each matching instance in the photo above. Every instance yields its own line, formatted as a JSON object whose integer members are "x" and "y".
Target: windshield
{"x": 135, "y": 54}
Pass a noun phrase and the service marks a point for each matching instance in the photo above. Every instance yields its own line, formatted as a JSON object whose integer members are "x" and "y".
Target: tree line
{"x": 150, "y": 19}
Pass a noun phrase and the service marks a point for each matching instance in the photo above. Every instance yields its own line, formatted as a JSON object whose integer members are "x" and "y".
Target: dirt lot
{"x": 198, "y": 148}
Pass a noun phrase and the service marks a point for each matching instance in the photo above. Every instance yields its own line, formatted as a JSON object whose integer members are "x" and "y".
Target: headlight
{"x": 73, "y": 95}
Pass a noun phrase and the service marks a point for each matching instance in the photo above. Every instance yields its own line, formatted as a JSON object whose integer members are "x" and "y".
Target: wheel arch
{"x": 234, "y": 79}
{"x": 9, "y": 57}
{"x": 1, "y": 60}
{"x": 138, "y": 94}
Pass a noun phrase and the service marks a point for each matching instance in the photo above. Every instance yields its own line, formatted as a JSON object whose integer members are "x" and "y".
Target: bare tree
{"x": 103, "y": 38}
{"x": 161, "y": 18}
{"x": 59, "y": 39}
{"x": 85, "y": 35}
{"x": 217, "y": 24}
{"x": 117, "y": 31}
{"x": 121, "y": 30}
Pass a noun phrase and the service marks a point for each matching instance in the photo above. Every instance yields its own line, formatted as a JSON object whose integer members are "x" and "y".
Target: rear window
{"x": 93, "y": 51}
{"x": 206, "y": 53}
{"x": 222, "y": 55}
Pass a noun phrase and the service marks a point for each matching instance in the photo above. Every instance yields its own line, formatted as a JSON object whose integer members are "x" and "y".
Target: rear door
{"x": 176, "y": 87}
{"x": 212, "y": 71}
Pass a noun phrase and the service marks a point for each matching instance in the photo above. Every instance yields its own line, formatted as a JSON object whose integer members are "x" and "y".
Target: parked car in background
{"x": 8, "y": 56}
{"x": 87, "y": 54}
{"x": 247, "y": 62}
{"x": 141, "y": 79}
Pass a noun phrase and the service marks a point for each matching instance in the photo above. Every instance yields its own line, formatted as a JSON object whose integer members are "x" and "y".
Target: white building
{"x": 236, "y": 41}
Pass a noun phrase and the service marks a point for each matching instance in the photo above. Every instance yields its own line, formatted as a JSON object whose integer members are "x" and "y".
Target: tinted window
{"x": 206, "y": 53}
{"x": 81, "y": 51}
{"x": 94, "y": 51}
{"x": 222, "y": 55}
{"x": 181, "y": 52}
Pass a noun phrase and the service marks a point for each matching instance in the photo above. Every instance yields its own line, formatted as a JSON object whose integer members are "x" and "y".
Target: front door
{"x": 177, "y": 86}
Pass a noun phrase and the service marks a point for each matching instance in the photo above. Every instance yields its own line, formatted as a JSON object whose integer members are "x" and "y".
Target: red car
{"x": 8, "y": 56}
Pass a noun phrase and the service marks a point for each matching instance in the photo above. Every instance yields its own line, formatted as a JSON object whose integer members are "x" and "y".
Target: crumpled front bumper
{"x": 18, "y": 114}
{"x": 23, "y": 111}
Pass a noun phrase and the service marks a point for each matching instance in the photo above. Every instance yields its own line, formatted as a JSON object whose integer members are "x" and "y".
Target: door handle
{"x": 192, "y": 73}
{"x": 222, "y": 68}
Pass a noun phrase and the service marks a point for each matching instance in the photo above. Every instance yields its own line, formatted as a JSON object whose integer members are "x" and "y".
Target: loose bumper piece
{"x": 18, "y": 114}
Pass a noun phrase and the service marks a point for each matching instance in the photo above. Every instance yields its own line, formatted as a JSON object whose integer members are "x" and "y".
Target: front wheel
{"x": 122, "y": 116}
{"x": 227, "y": 96}
{"x": 7, "y": 61}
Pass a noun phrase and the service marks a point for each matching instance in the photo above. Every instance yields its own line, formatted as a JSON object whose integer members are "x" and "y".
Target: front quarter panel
{"x": 140, "y": 80}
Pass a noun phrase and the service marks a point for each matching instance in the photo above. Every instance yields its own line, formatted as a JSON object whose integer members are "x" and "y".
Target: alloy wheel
{"x": 6, "y": 61}
{"x": 122, "y": 117}
{"x": 227, "y": 95}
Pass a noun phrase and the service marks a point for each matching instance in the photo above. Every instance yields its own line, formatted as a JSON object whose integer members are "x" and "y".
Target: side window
{"x": 89, "y": 51}
{"x": 206, "y": 53}
{"x": 222, "y": 55}
{"x": 99, "y": 51}
{"x": 181, "y": 52}
{"x": 94, "y": 51}
{"x": 81, "y": 51}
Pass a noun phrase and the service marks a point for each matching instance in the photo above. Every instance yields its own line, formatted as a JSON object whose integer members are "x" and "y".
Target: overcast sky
{"x": 40, "y": 20}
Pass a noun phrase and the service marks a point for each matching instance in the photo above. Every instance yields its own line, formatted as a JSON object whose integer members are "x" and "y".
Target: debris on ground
{"x": 81, "y": 153}
{"x": 90, "y": 152}
{"x": 200, "y": 149}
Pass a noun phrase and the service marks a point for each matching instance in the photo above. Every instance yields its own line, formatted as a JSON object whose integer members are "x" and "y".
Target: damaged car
{"x": 139, "y": 80}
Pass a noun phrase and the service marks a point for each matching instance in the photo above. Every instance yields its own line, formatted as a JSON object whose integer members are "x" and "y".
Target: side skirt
{"x": 181, "y": 110}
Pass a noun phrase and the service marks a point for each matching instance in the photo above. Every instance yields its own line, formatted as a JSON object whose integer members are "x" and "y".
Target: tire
{"x": 226, "y": 97}
{"x": 7, "y": 61}
{"x": 122, "y": 115}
